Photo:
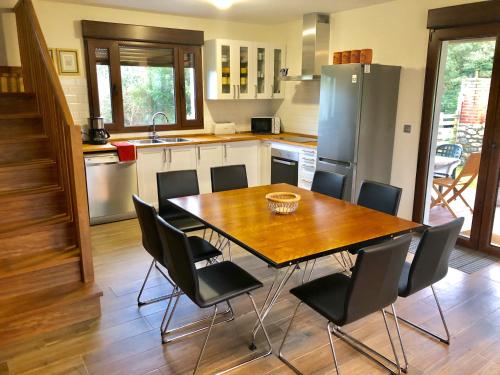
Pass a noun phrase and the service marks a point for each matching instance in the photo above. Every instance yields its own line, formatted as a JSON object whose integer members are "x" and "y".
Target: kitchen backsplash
{"x": 75, "y": 89}
{"x": 299, "y": 110}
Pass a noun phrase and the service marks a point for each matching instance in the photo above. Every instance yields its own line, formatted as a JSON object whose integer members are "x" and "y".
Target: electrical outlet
{"x": 407, "y": 128}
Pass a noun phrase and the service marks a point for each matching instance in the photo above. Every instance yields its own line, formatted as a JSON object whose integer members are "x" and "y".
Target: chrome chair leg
{"x": 281, "y": 357}
{"x": 443, "y": 340}
{"x": 392, "y": 343}
{"x": 370, "y": 353}
{"x": 167, "y": 333}
{"x": 329, "y": 328}
{"x": 156, "y": 299}
{"x": 395, "y": 316}
{"x": 260, "y": 356}
{"x": 206, "y": 340}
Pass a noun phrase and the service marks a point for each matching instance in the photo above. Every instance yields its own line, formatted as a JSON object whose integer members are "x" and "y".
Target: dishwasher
{"x": 110, "y": 186}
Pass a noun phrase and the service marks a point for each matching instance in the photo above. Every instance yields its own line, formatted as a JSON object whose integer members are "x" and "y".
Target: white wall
{"x": 61, "y": 26}
{"x": 397, "y": 33}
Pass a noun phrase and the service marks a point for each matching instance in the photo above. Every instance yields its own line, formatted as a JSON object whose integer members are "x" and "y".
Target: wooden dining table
{"x": 320, "y": 226}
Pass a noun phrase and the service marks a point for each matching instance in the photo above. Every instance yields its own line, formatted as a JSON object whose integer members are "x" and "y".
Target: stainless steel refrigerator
{"x": 357, "y": 115}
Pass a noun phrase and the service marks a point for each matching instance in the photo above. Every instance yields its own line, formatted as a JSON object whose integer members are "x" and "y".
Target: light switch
{"x": 407, "y": 128}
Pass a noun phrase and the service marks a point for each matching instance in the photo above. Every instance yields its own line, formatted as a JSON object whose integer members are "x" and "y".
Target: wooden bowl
{"x": 282, "y": 202}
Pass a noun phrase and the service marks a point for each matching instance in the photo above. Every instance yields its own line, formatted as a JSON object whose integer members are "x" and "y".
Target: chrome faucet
{"x": 154, "y": 135}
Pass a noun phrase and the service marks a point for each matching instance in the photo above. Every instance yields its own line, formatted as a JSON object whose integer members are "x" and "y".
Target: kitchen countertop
{"x": 210, "y": 138}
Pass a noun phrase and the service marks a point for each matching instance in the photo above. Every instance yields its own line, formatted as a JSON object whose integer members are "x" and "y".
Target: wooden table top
{"x": 320, "y": 226}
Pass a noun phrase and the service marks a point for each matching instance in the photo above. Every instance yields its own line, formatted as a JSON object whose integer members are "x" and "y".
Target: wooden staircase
{"x": 46, "y": 272}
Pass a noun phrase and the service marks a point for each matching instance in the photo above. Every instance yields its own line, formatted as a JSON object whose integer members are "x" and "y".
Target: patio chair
{"x": 457, "y": 185}
{"x": 448, "y": 150}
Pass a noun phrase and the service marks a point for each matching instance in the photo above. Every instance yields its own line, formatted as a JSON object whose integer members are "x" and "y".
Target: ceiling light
{"x": 222, "y": 4}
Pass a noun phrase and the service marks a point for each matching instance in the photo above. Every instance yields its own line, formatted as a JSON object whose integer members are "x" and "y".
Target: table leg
{"x": 270, "y": 301}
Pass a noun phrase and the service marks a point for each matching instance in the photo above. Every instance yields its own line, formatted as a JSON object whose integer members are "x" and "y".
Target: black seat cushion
{"x": 184, "y": 222}
{"x": 326, "y": 295}
{"x": 201, "y": 249}
{"x": 222, "y": 281}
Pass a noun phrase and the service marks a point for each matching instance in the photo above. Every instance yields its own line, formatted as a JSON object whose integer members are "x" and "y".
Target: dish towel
{"x": 126, "y": 150}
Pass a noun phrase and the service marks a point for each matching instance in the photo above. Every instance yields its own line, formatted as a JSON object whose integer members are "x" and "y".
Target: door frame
{"x": 455, "y": 23}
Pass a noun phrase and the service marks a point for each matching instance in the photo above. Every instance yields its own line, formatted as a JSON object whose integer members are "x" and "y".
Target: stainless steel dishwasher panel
{"x": 110, "y": 186}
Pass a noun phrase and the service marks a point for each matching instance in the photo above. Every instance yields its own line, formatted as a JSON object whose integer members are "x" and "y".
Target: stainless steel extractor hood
{"x": 315, "y": 45}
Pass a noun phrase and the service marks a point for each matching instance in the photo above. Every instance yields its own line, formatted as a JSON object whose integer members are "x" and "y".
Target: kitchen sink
{"x": 146, "y": 141}
{"x": 173, "y": 140}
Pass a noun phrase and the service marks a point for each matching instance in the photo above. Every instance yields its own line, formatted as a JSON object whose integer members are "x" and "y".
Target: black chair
{"x": 206, "y": 287}
{"x": 429, "y": 265}
{"x": 342, "y": 299}
{"x": 381, "y": 197}
{"x": 146, "y": 214}
{"x": 225, "y": 178}
{"x": 328, "y": 183}
{"x": 377, "y": 196}
{"x": 175, "y": 184}
{"x": 228, "y": 177}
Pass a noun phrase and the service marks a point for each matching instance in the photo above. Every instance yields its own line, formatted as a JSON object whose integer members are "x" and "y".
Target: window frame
{"x": 118, "y": 124}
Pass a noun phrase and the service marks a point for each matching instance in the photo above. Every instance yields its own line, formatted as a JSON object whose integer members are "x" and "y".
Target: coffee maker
{"x": 98, "y": 135}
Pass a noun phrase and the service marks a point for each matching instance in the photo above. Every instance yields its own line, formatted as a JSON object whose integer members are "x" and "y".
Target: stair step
{"x": 21, "y": 126}
{"x": 29, "y": 175}
{"x": 46, "y": 310}
{"x": 16, "y": 103}
{"x": 31, "y": 240}
{"x": 25, "y": 208}
{"x": 23, "y": 149}
{"x": 61, "y": 270}
{"x": 23, "y": 264}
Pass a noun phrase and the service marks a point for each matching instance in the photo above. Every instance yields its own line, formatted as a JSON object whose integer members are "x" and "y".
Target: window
{"x": 129, "y": 81}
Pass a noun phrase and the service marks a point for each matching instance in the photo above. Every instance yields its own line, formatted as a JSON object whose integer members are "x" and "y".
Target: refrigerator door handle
{"x": 345, "y": 164}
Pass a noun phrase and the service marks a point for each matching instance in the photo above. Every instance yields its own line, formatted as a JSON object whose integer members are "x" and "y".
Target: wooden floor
{"x": 126, "y": 340}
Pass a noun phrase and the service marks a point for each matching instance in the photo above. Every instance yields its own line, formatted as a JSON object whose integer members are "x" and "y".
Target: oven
{"x": 284, "y": 166}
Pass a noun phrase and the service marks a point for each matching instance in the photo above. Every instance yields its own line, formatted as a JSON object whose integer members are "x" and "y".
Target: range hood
{"x": 315, "y": 45}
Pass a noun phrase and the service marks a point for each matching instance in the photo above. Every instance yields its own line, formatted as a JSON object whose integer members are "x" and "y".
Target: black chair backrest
{"x": 328, "y": 183}
{"x": 229, "y": 177}
{"x": 175, "y": 184}
{"x": 375, "y": 278}
{"x": 430, "y": 263}
{"x": 450, "y": 150}
{"x": 146, "y": 214}
{"x": 180, "y": 264}
{"x": 381, "y": 197}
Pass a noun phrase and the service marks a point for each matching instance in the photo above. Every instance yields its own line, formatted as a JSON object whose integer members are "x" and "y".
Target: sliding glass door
{"x": 458, "y": 173}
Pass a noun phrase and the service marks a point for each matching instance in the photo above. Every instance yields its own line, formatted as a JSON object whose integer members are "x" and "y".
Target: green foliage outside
{"x": 145, "y": 90}
{"x": 465, "y": 60}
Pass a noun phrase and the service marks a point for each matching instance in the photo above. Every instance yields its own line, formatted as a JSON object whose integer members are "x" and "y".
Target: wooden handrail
{"x": 40, "y": 77}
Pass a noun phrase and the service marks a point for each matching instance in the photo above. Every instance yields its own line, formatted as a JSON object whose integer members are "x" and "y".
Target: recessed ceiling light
{"x": 222, "y": 4}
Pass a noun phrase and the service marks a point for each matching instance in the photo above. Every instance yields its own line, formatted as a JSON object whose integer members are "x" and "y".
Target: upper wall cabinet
{"x": 236, "y": 69}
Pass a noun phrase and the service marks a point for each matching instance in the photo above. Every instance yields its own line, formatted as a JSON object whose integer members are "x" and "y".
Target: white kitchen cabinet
{"x": 246, "y": 153}
{"x": 265, "y": 163}
{"x": 208, "y": 156}
{"x": 277, "y": 62}
{"x": 236, "y": 69}
{"x": 149, "y": 162}
{"x": 152, "y": 160}
{"x": 180, "y": 158}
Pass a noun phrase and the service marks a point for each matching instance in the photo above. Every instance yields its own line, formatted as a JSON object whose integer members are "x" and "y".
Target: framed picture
{"x": 67, "y": 61}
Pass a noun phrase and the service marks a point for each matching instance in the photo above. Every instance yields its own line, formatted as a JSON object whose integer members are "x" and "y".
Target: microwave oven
{"x": 266, "y": 125}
